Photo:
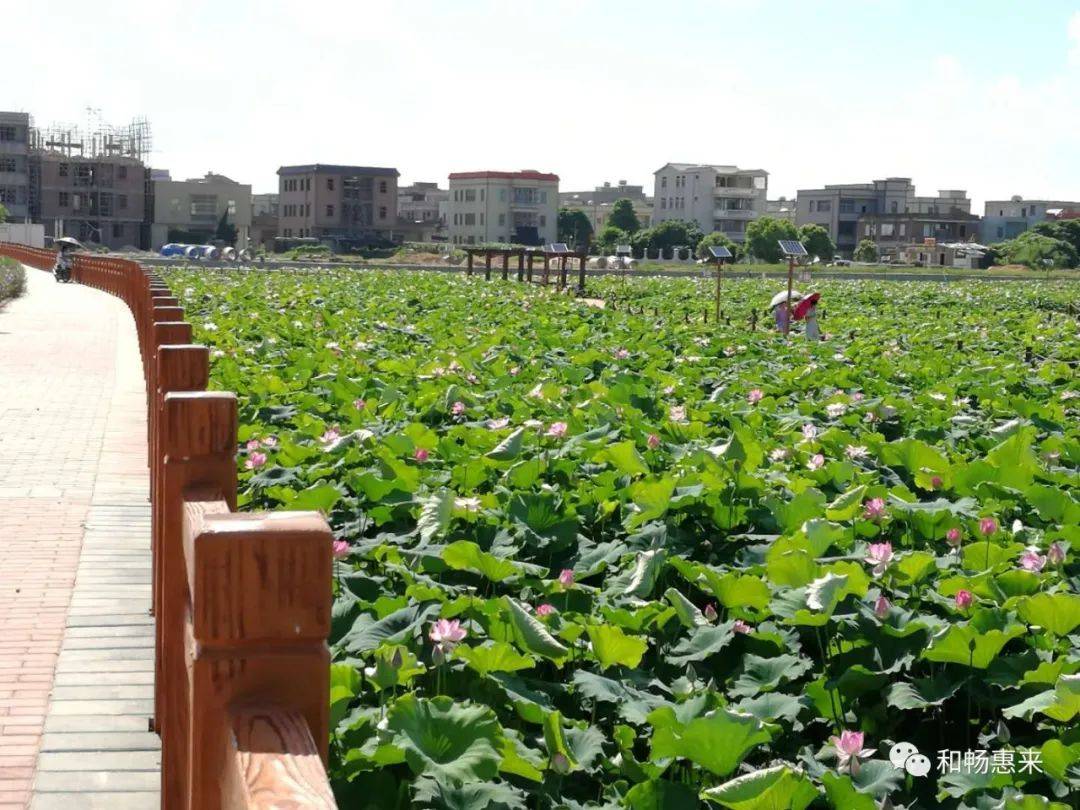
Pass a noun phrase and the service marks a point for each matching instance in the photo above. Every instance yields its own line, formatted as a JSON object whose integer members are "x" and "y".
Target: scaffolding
{"x": 96, "y": 139}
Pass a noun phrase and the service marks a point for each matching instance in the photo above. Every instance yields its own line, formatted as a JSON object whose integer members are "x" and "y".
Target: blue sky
{"x": 975, "y": 94}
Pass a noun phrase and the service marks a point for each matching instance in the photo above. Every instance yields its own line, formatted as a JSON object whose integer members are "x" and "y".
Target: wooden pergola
{"x": 526, "y": 262}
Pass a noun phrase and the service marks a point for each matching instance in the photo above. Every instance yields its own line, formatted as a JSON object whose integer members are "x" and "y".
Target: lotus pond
{"x": 597, "y": 558}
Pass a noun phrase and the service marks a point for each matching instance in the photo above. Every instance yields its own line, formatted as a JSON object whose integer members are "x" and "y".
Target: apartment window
{"x": 543, "y": 221}
{"x": 7, "y": 164}
{"x": 866, "y": 229}
{"x": 470, "y": 195}
{"x": 382, "y": 186}
{"x": 7, "y": 132}
{"x": 893, "y": 207}
{"x": 307, "y": 209}
{"x": 329, "y": 210}
{"x": 502, "y": 220}
{"x": 481, "y": 219}
{"x": 117, "y": 230}
{"x": 7, "y": 194}
{"x": 543, "y": 197}
{"x": 62, "y": 169}
{"x": 811, "y": 204}
{"x": 382, "y": 212}
{"x": 663, "y": 202}
{"x": 847, "y": 206}
{"x": 903, "y": 229}
{"x": 663, "y": 182}
{"x": 1000, "y": 232}
{"x": 1023, "y": 212}
{"x": 63, "y": 199}
{"x": 121, "y": 174}
{"x": 481, "y": 195}
{"x": 824, "y": 205}
{"x": 329, "y": 183}
{"x": 469, "y": 219}
{"x": 121, "y": 201}
{"x": 502, "y": 195}
{"x": 887, "y": 229}
{"x": 759, "y": 183}
{"x": 307, "y": 184}
{"x": 457, "y": 195}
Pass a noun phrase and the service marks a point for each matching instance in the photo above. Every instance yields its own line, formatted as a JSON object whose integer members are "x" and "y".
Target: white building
{"x": 1007, "y": 219}
{"x": 516, "y": 207}
{"x": 195, "y": 207}
{"x": 718, "y": 198}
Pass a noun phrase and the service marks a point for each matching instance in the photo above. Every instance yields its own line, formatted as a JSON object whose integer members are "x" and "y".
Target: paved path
{"x": 76, "y": 666}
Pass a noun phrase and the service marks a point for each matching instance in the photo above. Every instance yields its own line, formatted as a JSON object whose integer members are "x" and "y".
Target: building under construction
{"x": 92, "y": 182}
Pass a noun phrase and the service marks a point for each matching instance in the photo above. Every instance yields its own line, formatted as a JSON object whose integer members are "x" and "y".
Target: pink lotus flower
{"x": 710, "y": 612}
{"x": 809, "y": 432}
{"x": 988, "y": 526}
{"x": 953, "y": 537}
{"x": 669, "y": 390}
{"x": 779, "y": 454}
{"x": 1056, "y": 554}
{"x": 458, "y": 408}
{"x": 557, "y": 430}
{"x": 359, "y": 404}
{"x": 677, "y": 413}
{"x": 566, "y": 577}
{"x": 742, "y": 628}
{"x": 856, "y": 451}
{"x": 653, "y": 441}
{"x": 471, "y": 378}
{"x": 755, "y": 396}
{"x": 621, "y": 354}
{"x": 857, "y": 396}
{"x": 1032, "y": 560}
{"x": 881, "y": 607}
{"x": 880, "y": 554}
{"x": 420, "y": 454}
{"x": 936, "y": 482}
{"x": 515, "y": 370}
{"x": 446, "y": 633}
{"x": 331, "y": 435}
{"x": 253, "y": 444}
{"x": 816, "y": 462}
{"x": 270, "y": 441}
{"x": 545, "y": 609}
{"x": 964, "y": 598}
{"x": 340, "y": 549}
{"x": 498, "y": 424}
{"x": 849, "y": 748}
{"x": 255, "y": 460}
{"x": 874, "y": 509}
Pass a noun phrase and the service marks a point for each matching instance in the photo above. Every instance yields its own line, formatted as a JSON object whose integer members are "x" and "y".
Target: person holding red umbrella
{"x": 807, "y": 308}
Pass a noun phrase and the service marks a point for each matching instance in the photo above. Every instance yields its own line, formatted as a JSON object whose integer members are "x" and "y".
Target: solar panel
{"x": 720, "y": 252}
{"x": 558, "y": 247}
{"x": 792, "y": 247}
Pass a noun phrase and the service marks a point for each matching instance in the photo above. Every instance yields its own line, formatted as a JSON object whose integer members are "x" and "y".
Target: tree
{"x": 763, "y": 236}
{"x": 716, "y": 239}
{"x": 225, "y": 231}
{"x": 573, "y": 227}
{"x": 817, "y": 242}
{"x": 673, "y": 233}
{"x": 623, "y": 216}
{"x": 1034, "y": 250}
{"x": 608, "y": 238}
{"x": 866, "y": 251}
{"x": 3, "y": 214}
{"x": 1067, "y": 230}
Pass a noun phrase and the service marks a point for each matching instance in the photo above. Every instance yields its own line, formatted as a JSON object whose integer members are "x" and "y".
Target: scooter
{"x": 62, "y": 268}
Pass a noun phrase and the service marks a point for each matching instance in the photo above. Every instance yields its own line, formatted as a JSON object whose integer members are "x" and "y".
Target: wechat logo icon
{"x": 906, "y": 756}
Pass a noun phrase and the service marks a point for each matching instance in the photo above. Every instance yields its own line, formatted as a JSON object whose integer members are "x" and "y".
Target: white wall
{"x": 19, "y": 233}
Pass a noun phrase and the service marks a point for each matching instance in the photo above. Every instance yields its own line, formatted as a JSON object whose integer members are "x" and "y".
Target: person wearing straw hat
{"x": 779, "y": 308}
{"x": 807, "y": 309}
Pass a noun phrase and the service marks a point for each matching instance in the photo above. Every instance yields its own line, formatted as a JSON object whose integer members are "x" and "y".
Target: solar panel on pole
{"x": 720, "y": 252}
{"x": 792, "y": 248}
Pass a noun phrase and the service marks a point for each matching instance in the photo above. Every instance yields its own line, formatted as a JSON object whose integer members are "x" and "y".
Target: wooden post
{"x": 582, "y": 259}
{"x": 562, "y": 271}
{"x": 521, "y": 266}
{"x": 530, "y": 276}
{"x": 790, "y": 280}
{"x": 256, "y": 636}
{"x": 487, "y": 266}
{"x": 719, "y": 267}
{"x": 468, "y": 264}
{"x": 506, "y": 264}
{"x": 199, "y": 452}
{"x": 547, "y": 268}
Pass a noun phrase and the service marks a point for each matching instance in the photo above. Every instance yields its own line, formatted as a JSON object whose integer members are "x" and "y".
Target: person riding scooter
{"x": 65, "y": 247}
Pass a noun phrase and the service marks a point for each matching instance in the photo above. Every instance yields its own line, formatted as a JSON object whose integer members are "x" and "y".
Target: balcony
{"x": 735, "y": 213}
{"x": 735, "y": 191}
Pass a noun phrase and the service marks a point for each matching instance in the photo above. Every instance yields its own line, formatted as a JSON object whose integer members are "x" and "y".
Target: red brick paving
{"x": 58, "y": 378}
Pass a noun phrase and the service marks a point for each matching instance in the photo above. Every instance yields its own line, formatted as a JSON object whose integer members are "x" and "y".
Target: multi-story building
{"x": 892, "y": 232}
{"x": 15, "y": 183}
{"x": 264, "y": 204}
{"x": 423, "y": 202}
{"x": 839, "y": 208}
{"x": 1007, "y": 219}
{"x": 517, "y": 207}
{"x": 781, "y": 208}
{"x": 191, "y": 210}
{"x": 718, "y": 198}
{"x": 341, "y": 205}
{"x": 597, "y": 204}
{"x": 100, "y": 199}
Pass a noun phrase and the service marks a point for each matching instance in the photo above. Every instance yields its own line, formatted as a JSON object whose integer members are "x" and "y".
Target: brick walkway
{"x": 76, "y": 666}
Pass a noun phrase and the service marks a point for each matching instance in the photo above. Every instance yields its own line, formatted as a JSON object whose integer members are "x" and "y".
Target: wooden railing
{"x": 241, "y": 601}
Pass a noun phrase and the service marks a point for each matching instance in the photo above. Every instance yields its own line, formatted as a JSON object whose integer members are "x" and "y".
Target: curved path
{"x": 76, "y": 641}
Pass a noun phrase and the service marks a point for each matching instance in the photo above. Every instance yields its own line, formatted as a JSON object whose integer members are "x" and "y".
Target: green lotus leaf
{"x": 449, "y": 741}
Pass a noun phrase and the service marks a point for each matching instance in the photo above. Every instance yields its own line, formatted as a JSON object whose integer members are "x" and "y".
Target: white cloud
{"x": 1074, "y": 39}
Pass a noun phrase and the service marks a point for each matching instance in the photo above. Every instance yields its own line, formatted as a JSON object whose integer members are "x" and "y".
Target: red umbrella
{"x": 803, "y": 306}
